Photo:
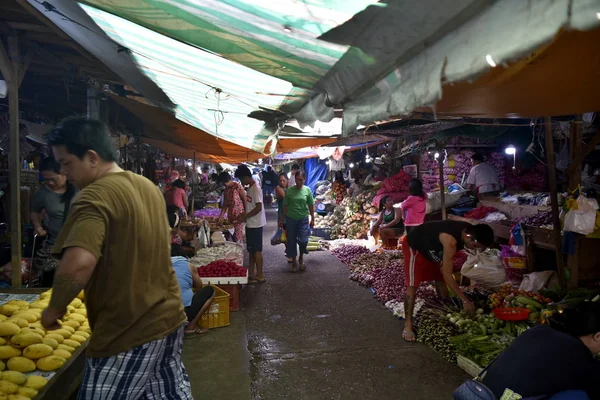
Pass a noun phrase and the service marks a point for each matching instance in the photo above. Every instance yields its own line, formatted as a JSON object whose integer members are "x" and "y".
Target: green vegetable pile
{"x": 478, "y": 348}
{"x": 435, "y": 330}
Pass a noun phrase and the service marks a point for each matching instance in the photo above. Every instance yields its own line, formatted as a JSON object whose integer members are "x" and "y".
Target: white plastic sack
{"x": 434, "y": 201}
{"x": 536, "y": 281}
{"x": 484, "y": 268}
{"x": 579, "y": 221}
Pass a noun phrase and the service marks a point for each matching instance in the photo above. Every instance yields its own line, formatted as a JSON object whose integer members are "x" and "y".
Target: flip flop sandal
{"x": 409, "y": 337}
{"x": 254, "y": 281}
{"x": 199, "y": 331}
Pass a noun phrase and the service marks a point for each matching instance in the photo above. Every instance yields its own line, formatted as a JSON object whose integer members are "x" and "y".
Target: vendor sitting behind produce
{"x": 431, "y": 246}
{"x": 483, "y": 178}
{"x": 554, "y": 361}
{"x": 389, "y": 224}
{"x": 196, "y": 304}
{"x": 179, "y": 236}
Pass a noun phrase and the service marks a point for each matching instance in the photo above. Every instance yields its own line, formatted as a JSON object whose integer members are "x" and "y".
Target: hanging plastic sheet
{"x": 316, "y": 170}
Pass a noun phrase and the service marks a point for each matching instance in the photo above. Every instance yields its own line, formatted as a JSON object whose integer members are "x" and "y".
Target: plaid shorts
{"x": 151, "y": 371}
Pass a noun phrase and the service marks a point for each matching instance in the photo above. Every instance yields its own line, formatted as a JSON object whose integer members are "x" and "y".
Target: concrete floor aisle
{"x": 313, "y": 335}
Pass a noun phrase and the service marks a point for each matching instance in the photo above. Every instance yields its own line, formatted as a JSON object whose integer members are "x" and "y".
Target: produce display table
{"x": 232, "y": 280}
{"x": 61, "y": 383}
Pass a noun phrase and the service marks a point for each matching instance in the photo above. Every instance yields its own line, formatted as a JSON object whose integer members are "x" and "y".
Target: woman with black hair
{"x": 195, "y": 304}
{"x": 552, "y": 362}
{"x": 54, "y": 199}
{"x": 414, "y": 207}
{"x": 389, "y": 224}
{"x": 176, "y": 196}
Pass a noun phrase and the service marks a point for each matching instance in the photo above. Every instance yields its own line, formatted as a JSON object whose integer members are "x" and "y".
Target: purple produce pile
{"x": 347, "y": 254}
{"x": 207, "y": 213}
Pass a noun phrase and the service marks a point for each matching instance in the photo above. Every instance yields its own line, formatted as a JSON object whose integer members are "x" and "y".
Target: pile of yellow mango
{"x": 26, "y": 346}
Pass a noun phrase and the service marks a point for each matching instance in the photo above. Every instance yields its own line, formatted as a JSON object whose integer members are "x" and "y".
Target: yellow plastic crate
{"x": 218, "y": 313}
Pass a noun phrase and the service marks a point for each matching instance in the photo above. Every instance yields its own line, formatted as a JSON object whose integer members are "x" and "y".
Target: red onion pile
{"x": 347, "y": 254}
{"x": 533, "y": 179}
{"x": 221, "y": 268}
{"x": 539, "y": 219}
{"x": 389, "y": 283}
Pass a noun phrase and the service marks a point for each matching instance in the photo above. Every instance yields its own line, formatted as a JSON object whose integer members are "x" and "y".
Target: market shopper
{"x": 195, "y": 304}
{"x": 115, "y": 245}
{"x": 483, "y": 178}
{"x": 554, "y": 361}
{"x": 415, "y": 206}
{"x": 181, "y": 237}
{"x": 255, "y": 220}
{"x": 292, "y": 174}
{"x": 234, "y": 204}
{"x": 298, "y": 205}
{"x": 389, "y": 224}
{"x": 339, "y": 187}
{"x": 176, "y": 195}
{"x": 269, "y": 179}
{"x": 54, "y": 199}
{"x": 433, "y": 245}
{"x": 280, "y": 191}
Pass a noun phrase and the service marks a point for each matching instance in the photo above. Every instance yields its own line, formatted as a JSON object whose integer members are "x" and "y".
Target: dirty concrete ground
{"x": 313, "y": 335}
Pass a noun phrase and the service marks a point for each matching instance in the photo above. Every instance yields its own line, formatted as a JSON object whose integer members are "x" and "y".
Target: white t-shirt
{"x": 292, "y": 178}
{"x": 338, "y": 165}
{"x": 254, "y": 196}
{"x": 484, "y": 178}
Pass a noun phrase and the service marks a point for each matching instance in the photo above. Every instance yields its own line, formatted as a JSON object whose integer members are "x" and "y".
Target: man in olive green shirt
{"x": 298, "y": 205}
{"x": 116, "y": 244}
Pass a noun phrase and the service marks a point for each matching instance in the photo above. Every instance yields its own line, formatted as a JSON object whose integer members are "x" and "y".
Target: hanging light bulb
{"x": 199, "y": 169}
{"x": 436, "y": 155}
{"x": 510, "y": 150}
{"x": 351, "y": 165}
{"x": 189, "y": 163}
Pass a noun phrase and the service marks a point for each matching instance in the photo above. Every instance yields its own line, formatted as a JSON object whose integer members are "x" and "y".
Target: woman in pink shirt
{"x": 176, "y": 196}
{"x": 414, "y": 207}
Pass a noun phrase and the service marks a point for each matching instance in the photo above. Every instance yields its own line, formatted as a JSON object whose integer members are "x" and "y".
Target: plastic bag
{"x": 583, "y": 218}
{"x": 484, "y": 268}
{"x": 279, "y": 237}
{"x": 517, "y": 240}
{"x": 536, "y": 281}
{"x": 562, "y": 159}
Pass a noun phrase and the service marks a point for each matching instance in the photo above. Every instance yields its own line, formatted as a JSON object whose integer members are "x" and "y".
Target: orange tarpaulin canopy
{"x": 560, "y": 78}
{"x": 162, "y": 130}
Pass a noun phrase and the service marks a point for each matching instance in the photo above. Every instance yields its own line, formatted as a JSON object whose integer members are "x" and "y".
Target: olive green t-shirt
{"x": 298, "y": 201}
{"x": 133, "y": 297}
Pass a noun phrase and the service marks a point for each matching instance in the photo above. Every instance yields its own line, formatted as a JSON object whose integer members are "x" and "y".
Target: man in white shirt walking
{"x": 255, "y": 220}
{"x": 483, "y": 178}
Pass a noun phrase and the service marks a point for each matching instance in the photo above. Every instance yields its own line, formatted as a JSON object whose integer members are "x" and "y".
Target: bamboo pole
{"x": 551, "y": 161}
{"x": 442, "y": 191}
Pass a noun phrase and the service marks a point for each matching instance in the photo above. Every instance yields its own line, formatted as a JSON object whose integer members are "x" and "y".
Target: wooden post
{"x": 575, "y": 149}
{"x": 13, "y": 70}
{"x": 194, "y": 183}
{"x": 551, "y": 161}
{"x": 442, "y": 189}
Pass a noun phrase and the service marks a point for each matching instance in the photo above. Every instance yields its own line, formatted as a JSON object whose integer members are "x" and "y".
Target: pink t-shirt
{"x": 413, "y": 210}
{"x": 175, "y": 197}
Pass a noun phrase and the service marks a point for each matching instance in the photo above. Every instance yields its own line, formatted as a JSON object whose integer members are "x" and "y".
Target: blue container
{"x": 461, "y": 211}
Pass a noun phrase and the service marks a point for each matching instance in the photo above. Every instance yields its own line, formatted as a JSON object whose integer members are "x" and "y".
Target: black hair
{"x": 177, "y": 250}
{"x": 282, "y": 173}
{"x": 172, "y": 213}
{"x": 243, "y": 172}
{"x": 269, "y": 168}
{"x": 224, "y": 177}
{"x": 295, "y": 166}
{"x": 178, "y": 183}
{"x": 300, "y": 172}
{"x": 477, "y": 157}
{"x": 481, "y": 233}
{"x": 382, "y": 202}
{"x": 80, "y": 135}
{"x": 581, "y": 319}
{"x": 415, "y": 188}
{"x": 339, "y": 176}
{"x": 50, "y": 164}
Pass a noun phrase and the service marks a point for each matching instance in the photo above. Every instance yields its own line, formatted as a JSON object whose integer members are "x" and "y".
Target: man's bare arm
{"x": 72, "y": 275}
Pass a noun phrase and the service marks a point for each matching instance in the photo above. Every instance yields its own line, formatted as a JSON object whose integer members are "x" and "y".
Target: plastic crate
{"x": 324, "y": 233}
{"x": 234, "y": 293}
{"x": 218, "y": 313}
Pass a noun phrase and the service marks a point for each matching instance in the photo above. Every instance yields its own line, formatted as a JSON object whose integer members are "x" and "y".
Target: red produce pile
{"x": 480, "y": 212}
{"x": 532, "y": 180}
{"x": 220, "y": 268}
{"x": 389, "y": 283}
{"x": 347, "y": 254}
{"x": 395, "y": 186}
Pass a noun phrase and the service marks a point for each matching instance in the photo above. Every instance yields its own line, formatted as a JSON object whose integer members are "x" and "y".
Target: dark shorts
{"x": 254, "y": 239}
{"x": 200, "y": 298}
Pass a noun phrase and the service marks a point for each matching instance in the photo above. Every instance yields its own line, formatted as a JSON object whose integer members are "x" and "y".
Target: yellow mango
{"x": 82, "y": 333}
{"x": 70, "y": 308}
{"x": 81, "y": 296}
{"x": 17, "y": 396}
{"x": 50, "y": 342}
{"x": 46, "y": 295}
{"x": 2, "y": 341}
{"x": 9, "y": 328}
{"x": 3, "y": 317}
{"x": 55, "y": 336}
{"x": 71, "y": 343}
{"x": 20, "y": 364}
{"x": 68, "y": 328}
{"x": 7, "y": 387}
{"x": 78, "y": 338}
{"x": 19, "y": 303}
{"x": 26, "y": 315}
{"x": 23, "y": 340}
{"x": 7, "y": 352}
{"x": 37, "y": 351}
{"x": 50, "y": 363}
{"x": 39, "y": 305}
{"x": 76, "y": 303}
{"x": 33, "y": 329}
{"x": 71, "y": 323}
{"x": 36, "y": 382}
{"x": 65, "y": 347}
{"x": 20, "y": 322}
{"x": 2, "y": 366}
{"x": 18, "y": 378}
{"x": 62, "y": 353}
{"x": 77, "y": 317}
{"x": 62, "y": 332}
{"x": 28, "y": 392}
{"x": 8, "y": 309}
{"x": 81, "y": 311}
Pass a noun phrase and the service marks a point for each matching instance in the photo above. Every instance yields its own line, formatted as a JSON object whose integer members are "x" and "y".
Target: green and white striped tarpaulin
{"x": 278, "y": 38}
{"x": 209, "y": 92}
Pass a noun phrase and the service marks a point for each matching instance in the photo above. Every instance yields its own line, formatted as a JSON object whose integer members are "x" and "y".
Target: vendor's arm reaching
{"x": 36, "y": 220}
{"x": 74, "y": 271}
{"x": 449, "y": 244}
